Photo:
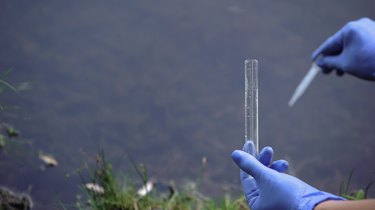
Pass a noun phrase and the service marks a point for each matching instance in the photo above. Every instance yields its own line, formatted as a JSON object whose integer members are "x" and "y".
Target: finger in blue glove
{"x": 265, "y": 157}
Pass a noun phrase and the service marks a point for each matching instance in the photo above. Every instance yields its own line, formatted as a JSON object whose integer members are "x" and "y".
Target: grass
{"x": 111, "y": 194}
{"x": 356, "y": 195}
{"x": 4, "y": 85}
{"x": 7, "y": 136}
{"x": 7, "y": 132}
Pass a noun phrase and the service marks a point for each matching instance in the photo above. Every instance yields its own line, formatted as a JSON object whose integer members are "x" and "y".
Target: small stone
{"x": 49, "y": 160}
{"x": 95, "y": 188}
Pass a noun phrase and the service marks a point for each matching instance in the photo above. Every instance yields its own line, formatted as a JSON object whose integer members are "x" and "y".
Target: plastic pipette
{"x": 306, "y": 81}
{"x": 251, "y": 102}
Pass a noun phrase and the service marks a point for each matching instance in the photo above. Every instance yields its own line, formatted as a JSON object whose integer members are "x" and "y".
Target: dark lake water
{"x": 163, "y": 81}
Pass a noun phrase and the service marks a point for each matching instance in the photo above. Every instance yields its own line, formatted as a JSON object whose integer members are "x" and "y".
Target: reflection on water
{"x": 164, "y": 82}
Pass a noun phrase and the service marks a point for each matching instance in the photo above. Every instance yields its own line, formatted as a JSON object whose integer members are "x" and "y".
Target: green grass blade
{"x": 349, "y": 180}
{"x": 8, "y": 85}
{"x": 368, "y": 187}
{"x": 6, "y": 73}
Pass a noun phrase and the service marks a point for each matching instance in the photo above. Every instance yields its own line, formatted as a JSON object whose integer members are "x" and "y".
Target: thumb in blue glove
{"x": 350, "y": 50}
{"x": 265, "y": 188}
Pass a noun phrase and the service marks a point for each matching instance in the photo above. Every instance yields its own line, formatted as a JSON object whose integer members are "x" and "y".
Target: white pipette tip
{"x": 292, "y": 100}
{"x": 304, "y": 84}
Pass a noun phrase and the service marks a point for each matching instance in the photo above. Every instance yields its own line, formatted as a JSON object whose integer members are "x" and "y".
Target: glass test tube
{"x": 251, "y": 102}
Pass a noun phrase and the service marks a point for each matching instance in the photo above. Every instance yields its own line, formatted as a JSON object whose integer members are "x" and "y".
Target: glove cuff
{"x": 310, "y": 201}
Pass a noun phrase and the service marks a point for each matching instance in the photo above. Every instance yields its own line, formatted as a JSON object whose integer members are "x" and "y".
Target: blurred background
{"x": 163, "y": 81}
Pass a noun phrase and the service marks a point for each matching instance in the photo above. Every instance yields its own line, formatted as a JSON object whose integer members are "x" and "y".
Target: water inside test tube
{"x": 251, "y": 102}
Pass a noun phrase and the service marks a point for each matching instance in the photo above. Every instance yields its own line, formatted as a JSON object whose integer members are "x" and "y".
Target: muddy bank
{"x": 10, "y": 200}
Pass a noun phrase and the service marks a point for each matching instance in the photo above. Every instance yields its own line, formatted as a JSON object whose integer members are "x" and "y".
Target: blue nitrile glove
{"x": 350, "y": 50}
{"x": 265, "y": 157}
{"x": 265, "y": 188}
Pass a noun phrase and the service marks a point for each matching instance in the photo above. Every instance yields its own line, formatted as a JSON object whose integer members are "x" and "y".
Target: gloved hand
{"x": 350, "y": 50}
{"x": 266, "y": 188}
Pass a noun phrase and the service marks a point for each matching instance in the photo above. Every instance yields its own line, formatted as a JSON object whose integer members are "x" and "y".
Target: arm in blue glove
{"x": 266, "y": 188}
{"x": 350, "y": 50}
